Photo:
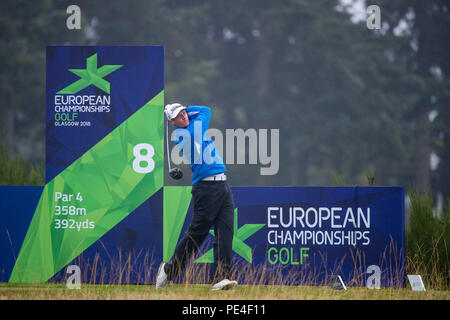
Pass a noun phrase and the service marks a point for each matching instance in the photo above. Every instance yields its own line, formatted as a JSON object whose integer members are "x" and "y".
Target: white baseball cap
{"x": 172, "y": 110}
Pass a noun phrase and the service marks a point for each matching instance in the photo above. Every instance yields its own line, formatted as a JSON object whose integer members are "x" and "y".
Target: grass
{"x": 203, "y": 292}
{"x": 16, "y": 171}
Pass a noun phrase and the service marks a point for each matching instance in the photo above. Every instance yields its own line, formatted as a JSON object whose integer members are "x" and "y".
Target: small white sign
{"x": 416, "y": 282}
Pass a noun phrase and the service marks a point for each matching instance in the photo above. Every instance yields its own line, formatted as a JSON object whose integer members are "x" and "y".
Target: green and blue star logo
{"x": 92, "y": 75}
{"x": 239, "y": 236}
{"x": 176, "y": 204}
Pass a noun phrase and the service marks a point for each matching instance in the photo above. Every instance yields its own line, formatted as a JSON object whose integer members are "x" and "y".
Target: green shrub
{"x": 15, "y": 171}
{"x": 428, "y": 241}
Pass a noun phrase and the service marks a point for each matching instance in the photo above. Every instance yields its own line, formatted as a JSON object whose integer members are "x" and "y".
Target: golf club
{"x": 174, "y": 173}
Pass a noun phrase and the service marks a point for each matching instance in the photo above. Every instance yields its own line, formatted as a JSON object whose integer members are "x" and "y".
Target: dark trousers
{"x": 213, "y": 206}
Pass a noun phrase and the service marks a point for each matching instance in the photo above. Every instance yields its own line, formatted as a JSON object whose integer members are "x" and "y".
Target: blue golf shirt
{"x": 196, "y": 146}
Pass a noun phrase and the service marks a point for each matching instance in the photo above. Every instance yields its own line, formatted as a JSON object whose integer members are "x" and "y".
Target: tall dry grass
{"x": 131, "y": 267}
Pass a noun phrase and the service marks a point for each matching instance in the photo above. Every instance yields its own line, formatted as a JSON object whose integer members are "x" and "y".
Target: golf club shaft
{"x": 167, "y": 144}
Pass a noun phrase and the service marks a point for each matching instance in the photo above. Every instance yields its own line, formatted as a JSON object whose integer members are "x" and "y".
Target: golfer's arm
{"x": 202, "y": 114}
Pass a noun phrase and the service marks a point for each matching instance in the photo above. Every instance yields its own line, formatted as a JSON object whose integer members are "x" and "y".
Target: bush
{"x": 428, "y": 242}
{"x": 15, "y": 171}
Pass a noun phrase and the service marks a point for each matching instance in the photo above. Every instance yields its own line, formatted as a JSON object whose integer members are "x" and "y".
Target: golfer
{"x": 212, "y": 198}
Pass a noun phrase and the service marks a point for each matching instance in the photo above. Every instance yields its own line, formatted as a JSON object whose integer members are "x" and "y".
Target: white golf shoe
{"x": 161, "y": 277}
{"x": 225, "y": 284}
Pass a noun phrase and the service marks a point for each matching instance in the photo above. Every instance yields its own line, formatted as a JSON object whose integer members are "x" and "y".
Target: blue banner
{"x": 17, "y": 205}
{"x": 283, "y": 235}
{"x": 311, "y": 233}
{"x": 90, "y": 91}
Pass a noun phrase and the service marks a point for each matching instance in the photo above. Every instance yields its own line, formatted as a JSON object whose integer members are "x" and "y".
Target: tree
{"x": 27, "y": 27}
{"x": 344, "y": 97}
{"x": 327, "y": 83}
{"x": 426, "y": 27}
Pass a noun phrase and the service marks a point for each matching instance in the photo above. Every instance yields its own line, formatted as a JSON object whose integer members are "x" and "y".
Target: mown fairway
{"x": 203, "y": 292}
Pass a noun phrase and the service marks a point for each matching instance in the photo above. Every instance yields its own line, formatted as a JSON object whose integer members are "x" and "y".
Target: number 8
{"x": 139, "y": 157}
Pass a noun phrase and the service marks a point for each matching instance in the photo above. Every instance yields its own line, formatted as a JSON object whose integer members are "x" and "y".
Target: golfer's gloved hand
{"x": 176, "y": 173}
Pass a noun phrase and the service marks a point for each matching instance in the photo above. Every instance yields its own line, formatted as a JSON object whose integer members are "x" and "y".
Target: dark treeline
{"x": 347, "y": 100}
